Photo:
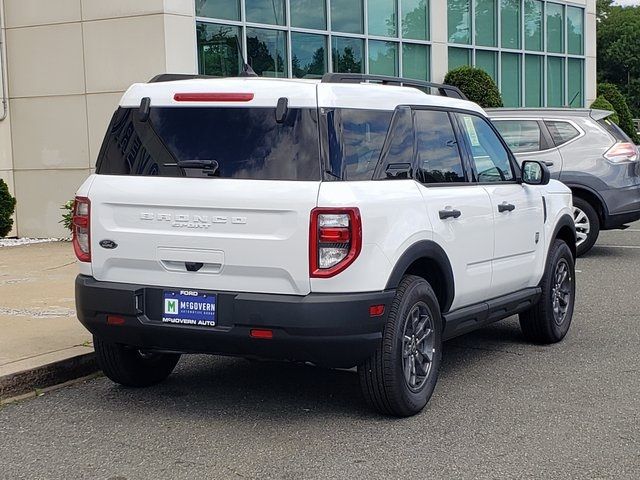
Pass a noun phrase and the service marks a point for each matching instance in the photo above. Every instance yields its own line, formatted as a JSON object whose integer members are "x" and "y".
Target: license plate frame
{"x": 189, "y": 308}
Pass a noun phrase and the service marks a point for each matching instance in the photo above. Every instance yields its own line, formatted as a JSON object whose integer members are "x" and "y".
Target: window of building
{"x": 267, "y": 52}
{"x": 555, "y": 28}
{"x": 575, "y": 30}
{"x": 308, "y": 14}
{"x": 383, "y": 58}
{"x": 265, "y": 11}
{"x": 224, "y": 9}
{"x": 383, "y": 17}
{"x": 555, "y": 81}
{"x": 459, "y": 57}
{"x": 510, "y": 22}
{"x": 347, "y": 54}
{"x": 511, "y": 81}
{"x": 416, "y": 62}
{"x": 218, "y": 49}
{"x": 561, "y": 132}
{"x": 459, "y": 21}
{"x": 347, "y": 16}
{"x": 521, "y": 135}
{"x": 490, "y": 157}
{"x": 308, "y": 55}
{"x": 438, "y": 154}
{"x": 486, "y": 16}
{"x": 534, "y": 81}
{"x": 533, "y": 25}
{"x": 575, "y": 82}
{"x": 487, "y": 60}
{"x": 415, "y": 19}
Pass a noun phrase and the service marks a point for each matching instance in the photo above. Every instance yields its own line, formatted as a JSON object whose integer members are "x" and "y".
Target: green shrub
{"x": 617, "y": 100}
{"x": 7, "y": 207}
{"x": 67, "y": 215}
{"x": 476, "y": 84}
{"x": 601, "y": 103}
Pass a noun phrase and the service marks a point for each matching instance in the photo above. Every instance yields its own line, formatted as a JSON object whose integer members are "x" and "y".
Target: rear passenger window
{"x": 521, "y": 135}
{"x": 561, "y": 132}
{"x": 490, "y": 157}
{"x": 438, "y": 154}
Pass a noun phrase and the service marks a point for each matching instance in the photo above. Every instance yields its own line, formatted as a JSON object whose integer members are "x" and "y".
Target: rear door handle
{"x": 449, "y": 214}
{"x": 506, "y": 207}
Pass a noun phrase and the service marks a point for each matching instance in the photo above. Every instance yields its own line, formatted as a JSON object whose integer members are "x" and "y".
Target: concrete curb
{"x": 43, "y": 376}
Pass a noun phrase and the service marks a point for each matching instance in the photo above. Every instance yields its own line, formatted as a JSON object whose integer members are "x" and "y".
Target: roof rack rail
{"x": 171, "y": 77}
{"x": 443, "y": 90}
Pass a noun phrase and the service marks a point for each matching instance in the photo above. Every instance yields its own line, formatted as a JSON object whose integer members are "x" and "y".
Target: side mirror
{"x": 535, "y": 173}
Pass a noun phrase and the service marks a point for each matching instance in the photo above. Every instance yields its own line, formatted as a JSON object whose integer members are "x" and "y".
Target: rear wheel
{"x": 549, "y": 320}
{"x": 133, "y": 367}
{"x": 401, "y": 376}
{"x": 587, "y": 225}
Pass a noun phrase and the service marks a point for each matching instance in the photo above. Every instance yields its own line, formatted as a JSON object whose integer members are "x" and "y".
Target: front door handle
{"x": 506, "y": 207}
{"x": 449, "y": 214}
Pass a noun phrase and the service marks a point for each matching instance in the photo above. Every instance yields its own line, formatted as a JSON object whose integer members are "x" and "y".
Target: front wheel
{"x": 401, "y": 375}
{"x": 132, "y": 367}
{"x": 549, "y": 320}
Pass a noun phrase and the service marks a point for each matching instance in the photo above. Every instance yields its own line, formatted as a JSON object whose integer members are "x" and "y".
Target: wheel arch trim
{"x": 564, "y": 222}
{"x": 428, "y": 250}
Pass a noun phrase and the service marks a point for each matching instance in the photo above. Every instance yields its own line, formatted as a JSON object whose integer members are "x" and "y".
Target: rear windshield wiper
{"x": 208, "y": 166}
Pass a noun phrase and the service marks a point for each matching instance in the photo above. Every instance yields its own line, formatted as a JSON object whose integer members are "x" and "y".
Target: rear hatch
{"x": 208, "y": 191}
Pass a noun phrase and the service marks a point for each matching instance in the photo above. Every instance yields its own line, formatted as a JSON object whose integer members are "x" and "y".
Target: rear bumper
{"x": 326, "y": 329}
{"x": 623, "y": 206}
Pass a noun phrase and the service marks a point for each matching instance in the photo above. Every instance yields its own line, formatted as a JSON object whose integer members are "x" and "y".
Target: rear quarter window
{"x": 561, "y": 132}
{"x": 615, "y": 131}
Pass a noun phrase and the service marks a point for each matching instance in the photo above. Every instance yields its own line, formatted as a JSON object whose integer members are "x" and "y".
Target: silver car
{"x": 589, "y": 153}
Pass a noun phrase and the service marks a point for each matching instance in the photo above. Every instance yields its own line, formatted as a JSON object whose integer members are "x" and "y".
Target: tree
{"x": 476, "y": 84}
{"x": 619, "y": 51}
{"x": 7, "y": 207}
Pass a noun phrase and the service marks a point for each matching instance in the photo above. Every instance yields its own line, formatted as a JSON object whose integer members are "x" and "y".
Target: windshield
{"x": 244, "y": 143}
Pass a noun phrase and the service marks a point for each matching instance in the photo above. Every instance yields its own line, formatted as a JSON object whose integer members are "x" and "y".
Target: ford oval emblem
{"x": 110, "y": 244}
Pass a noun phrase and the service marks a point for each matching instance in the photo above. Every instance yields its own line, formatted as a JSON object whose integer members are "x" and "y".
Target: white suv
{"x": 353, "y": 221}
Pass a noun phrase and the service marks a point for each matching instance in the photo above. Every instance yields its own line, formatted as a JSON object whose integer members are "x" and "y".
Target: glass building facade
{"x": 533, "y": 49}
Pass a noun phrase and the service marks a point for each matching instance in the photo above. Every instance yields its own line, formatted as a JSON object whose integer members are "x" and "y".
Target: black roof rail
{"x": 172, "y": 77}
{"x": 443, "y": 90}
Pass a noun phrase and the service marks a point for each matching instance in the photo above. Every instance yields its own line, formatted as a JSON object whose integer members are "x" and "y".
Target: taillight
{"x": 82, "y": 229}
{"x": 335, "y": 240}
{"x": 622, "y": 152}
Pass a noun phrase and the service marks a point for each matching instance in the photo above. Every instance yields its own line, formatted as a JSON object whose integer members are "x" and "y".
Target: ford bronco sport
{"x": 353, "y": 221}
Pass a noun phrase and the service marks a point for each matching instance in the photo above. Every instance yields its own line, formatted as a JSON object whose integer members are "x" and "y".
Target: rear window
{"x": 617, "y": 133}
{"x": 244, "y": 143}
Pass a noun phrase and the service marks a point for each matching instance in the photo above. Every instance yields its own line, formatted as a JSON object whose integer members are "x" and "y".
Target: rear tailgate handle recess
{"x": 506, "y": 207}
{"x": 191, "y": 260}
{"x": 200, "y": 267}
{"x": 449, "y": 213}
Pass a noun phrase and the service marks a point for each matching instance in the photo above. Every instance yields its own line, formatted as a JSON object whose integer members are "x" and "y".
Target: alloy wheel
{"x": 583, "y": 226}
{"x": 418, "y": 346}
{"x": 561, "y": 292}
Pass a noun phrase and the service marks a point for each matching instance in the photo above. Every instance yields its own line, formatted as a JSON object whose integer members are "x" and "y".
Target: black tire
{"x": 382, "y": 377}
{"x": 543, "y": 323}
{"x": 594, "y": 225}
{"x": 130, "y": 367}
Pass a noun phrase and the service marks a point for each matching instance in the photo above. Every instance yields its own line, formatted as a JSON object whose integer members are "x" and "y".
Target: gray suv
{"x": 589, "y": 153}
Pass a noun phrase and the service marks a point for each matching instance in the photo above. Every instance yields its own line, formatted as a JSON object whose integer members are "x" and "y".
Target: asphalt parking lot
{"x": 502, "y": 409}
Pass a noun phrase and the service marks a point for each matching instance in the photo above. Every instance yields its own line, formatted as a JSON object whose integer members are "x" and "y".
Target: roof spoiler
{"x": 599, "y": 114}
{"x": 443, "y": 90}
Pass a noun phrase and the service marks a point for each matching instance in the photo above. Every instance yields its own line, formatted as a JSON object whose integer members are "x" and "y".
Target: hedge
{"x": 601, "y": 103}
{"x": 617, "y": 100}
{"x": 7, "y": 207}
{"x": 476, "y": 84}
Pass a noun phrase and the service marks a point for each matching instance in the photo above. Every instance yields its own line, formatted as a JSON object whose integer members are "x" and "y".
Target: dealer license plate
{"x": 189, "y": 307}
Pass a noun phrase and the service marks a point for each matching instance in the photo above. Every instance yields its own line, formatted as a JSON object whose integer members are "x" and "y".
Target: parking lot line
{"x": 619, "y": 246}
